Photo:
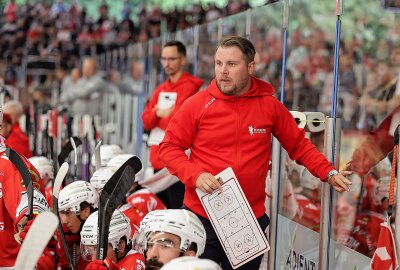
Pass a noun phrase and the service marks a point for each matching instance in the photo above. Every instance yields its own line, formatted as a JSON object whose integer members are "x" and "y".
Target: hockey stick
{"x": 97, "y": 156}
{"x": 36, "y": 240}
{"x": 112, "y": 194}
{"x": 62, "y": 172}
{"x": 75, "y": 157}
{"x": 67, "y": 149}
{"x": 18, "y": 162}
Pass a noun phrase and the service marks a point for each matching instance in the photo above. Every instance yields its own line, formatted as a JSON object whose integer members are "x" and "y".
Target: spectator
{"x": 375, "y": 101}
{"x": 17, "y": 139}
{"x": 11, "y": 11}
{"x": 134, "y": 82}
{"x": 155, "y": 117}
{"x": 126, "y": 10}
{"x": 58, "y": 8}
{"x": 86, "y": 95}
{"x": 69, "y": 83}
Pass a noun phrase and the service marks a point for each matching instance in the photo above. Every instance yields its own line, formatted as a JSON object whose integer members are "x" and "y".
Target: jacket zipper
{"x": 237, "y": 132}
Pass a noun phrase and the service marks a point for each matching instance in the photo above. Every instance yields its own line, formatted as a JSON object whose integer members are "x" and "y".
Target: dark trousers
{"x": 214, "y": 251}
{"x": 172, "y": 197}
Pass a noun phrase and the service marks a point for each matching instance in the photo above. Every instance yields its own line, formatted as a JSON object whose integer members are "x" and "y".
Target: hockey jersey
{"x": 139, "y": 204}
{"x": 14, "y": 204}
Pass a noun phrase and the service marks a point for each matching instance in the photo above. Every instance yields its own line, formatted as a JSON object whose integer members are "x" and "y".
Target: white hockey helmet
{"x": 43, "y": 165}
{"x": 119, "y": 160}
{"x": 101, "y": 177}
{"x": 180, "y": 222}
{"x": 191, "y": 263}
{"x": 119, "y": 227}
{"x": 71, "y": 197}
{"x": 107, "y": 152}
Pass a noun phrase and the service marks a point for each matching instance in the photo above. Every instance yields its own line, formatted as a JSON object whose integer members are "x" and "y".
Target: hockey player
{"x": 191, "y": 263}
{"x": 14, "y": 204}
{"x": 101, "y": 176}
{"x": 75, "y": 203}
{"x": 139, "y": 204}
{"x": 46, "y": 171}
{"x": 107, "y": 152}
{"x": 119, "y": 253}
{"x": 168, "y": 234}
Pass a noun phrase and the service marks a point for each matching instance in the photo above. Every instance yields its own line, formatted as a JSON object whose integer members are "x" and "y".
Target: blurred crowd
{"x": 68, "y": 32}
{"x": 368, "y": 80}
{"x": 368, "y": 77}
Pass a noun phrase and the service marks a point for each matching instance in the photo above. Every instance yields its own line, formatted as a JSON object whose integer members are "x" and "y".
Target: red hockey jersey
{"x": 14, "y": 204}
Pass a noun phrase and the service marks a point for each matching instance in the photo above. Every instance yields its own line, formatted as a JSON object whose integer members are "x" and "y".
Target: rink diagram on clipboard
{"x": 234, "y": 221}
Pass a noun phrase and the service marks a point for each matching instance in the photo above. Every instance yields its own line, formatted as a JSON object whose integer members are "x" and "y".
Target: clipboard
{"x": 166, "y": 99}
{"x": 233, "y": 220}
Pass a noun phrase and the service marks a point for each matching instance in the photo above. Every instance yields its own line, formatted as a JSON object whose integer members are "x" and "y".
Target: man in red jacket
{"x": 17, "y": 139}
{"x": 230, "y": 124}
{"x": 164, "y": 103}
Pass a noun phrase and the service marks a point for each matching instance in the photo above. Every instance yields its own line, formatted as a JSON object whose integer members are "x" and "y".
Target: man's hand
{"x": 162, "y": 113}
{"x": 206, "y": 182}
{"x": 23, "y": 227}
{"x": 339, "y": 181}
{"x": 107, "y": 264}
{"x": 96, "y": 265}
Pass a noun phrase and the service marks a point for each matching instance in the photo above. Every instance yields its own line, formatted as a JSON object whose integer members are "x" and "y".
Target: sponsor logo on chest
{"x": 255, "y": 130}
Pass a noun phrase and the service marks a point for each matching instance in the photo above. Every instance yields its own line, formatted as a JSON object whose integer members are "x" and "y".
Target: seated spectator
{"x": 11, "y": 11}
{"x": 17, "y": 139}
{"x": 86, "y": 96}
{"x": 68, "y": 83}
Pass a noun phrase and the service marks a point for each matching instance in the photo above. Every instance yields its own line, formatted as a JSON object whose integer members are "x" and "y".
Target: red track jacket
{"x": 186, "y": 86}
{"x": 229, "y": 131}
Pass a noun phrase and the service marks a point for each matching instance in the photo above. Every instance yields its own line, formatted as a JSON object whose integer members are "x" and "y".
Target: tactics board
{"x": 234, "y": 221}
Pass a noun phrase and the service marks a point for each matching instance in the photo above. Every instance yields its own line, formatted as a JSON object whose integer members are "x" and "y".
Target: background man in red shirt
{"x": 17, "y": 139}
{"x": 184, "y": 85}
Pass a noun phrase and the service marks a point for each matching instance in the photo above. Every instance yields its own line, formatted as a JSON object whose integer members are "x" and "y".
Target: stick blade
{"x": 62, "y": 172}
{"x": 134, "y": 162}
{"x": 36, "y": 240}
{"x": 97, "y": 156}
{"x": 67, "y": 149}
{"x": 108, "y": 203}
